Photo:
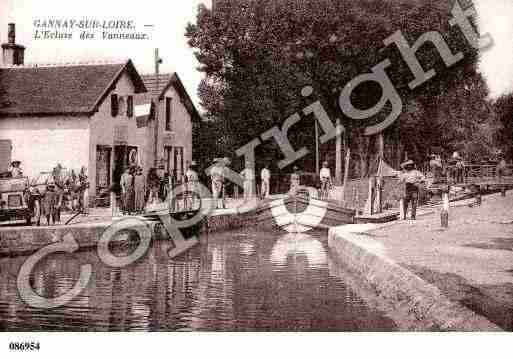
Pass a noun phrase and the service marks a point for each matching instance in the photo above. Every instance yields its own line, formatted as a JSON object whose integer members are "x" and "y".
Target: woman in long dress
{"x": 140, "y": 191}
{"x": 192, "y": 180}
{"x": 153, "y": 183}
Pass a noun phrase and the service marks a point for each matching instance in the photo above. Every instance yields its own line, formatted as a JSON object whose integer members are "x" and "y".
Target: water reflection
{"x": 297, "y": 246}
{"x": 233, "y": 281}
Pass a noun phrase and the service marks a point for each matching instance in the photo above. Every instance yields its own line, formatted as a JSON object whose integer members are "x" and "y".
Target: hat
{"x": 325, "y": 163}
{"x": 296, "y": 168}
{"x": 15, "y": 162}
{"x": 407, "y": 163}
{"x": 432, "y": 155}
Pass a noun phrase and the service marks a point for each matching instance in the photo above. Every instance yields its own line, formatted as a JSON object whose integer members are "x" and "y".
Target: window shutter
{"x": 168, "y": 113}
{"x": 114, "y": 105}
{"x": 130, "y": 106}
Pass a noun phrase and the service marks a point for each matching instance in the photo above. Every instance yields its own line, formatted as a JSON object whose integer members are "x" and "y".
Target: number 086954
{"x": 24, "y": 346}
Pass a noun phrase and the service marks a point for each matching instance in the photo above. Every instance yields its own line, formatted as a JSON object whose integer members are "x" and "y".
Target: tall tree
{"x": 257, "y": 55}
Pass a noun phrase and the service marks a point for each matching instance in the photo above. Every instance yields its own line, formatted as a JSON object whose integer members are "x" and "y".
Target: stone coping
{"x": 422, "y": 306}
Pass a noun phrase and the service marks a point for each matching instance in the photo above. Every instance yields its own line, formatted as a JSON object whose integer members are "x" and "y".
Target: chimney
{"x": 12, "y": 53}
{"x": 11, "y": 33}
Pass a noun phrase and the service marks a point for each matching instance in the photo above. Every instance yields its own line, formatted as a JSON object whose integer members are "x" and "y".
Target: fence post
{"x": 402, "y": 213}
{"x": 113, "y": 204}
{"x": 479, "y": 200}
{"x": 379, "y": 194}
{"x": 444, "y": 214}
{"x": 355, "y": 200}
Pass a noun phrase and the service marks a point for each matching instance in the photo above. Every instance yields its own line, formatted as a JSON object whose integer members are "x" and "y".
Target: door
{"x": 120, "y": 156}
{"x": 103, "y": 180}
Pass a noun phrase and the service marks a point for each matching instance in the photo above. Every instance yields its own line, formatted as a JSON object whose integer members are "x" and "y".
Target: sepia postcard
{"x": 255, "y": 166}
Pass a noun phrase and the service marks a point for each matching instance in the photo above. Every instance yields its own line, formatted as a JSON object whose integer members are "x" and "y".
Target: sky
{"x": 170, "y": 17}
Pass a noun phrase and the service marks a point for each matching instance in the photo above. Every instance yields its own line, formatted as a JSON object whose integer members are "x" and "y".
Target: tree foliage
{"x": 257, "y": 55}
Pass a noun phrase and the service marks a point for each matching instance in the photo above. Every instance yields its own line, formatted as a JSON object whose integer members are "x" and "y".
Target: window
{"x": 121, "y": 105}
{"x": 114, "y": 105}
{"x": 169, "y": 109}
{"x": 130, "y": 106}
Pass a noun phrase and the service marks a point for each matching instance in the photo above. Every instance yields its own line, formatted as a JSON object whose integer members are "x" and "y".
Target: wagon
{"x": 14, "y": 199}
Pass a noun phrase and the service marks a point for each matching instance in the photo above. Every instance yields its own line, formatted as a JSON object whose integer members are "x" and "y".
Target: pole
{"x": 370, "y": 198}
{"x": 379, "y": 194}
{"x": 478, "y": 198}
{"x": 402, "y": 213}
{"x": 156, "y": 113}
{"x": 317, "y": 169}
{"x": 444, "y": 214}
{"x": 338, "y": 155}
{"x": 381, "y": 145}
{"x": 113, "y": 204}
{"x": 346, "y": 172}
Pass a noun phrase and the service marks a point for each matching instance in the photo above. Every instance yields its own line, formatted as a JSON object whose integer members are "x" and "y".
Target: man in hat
{"x": 460, "y": 168}
{"x": 501, "y": 166}
{"x": 49, "y": 203}
{"x": 153, "y": 185}
{"x": 248, "y": 175}
{"x": 435, "y": 165}
{"x": 295, "y": 181}
{"x": 412, "y": 179}
{"x": 325, "y": 177}
{"x": 457, "y": 167}
{"x": 15, "y": 169}
{"x": 265, "y": 176}
{"x": 217, "y": 179}
{"x": 191, "y": 176}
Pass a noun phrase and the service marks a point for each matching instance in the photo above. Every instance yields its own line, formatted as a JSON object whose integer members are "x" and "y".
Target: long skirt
{"x": 128, "y": 200}
{"x": 139, "y": 200}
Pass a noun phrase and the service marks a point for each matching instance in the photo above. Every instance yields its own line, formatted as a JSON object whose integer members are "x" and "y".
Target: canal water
{"x": 234, "y": 281}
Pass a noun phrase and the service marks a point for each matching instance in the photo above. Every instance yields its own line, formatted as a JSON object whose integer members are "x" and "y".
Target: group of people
{"x": 133, "y": 190}
{"x": 218, "y": 174}
{"x": 138, "y": 191}
{"x": 325, "y": 179}
{"x": 60, "y": 192}
{"x": 456, "y": 168}
{"x": 218, "y": 186}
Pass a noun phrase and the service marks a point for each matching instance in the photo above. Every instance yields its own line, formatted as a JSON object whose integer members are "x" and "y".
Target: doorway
{"x": 103, "y": 174}
{"x": 124, "y": 156}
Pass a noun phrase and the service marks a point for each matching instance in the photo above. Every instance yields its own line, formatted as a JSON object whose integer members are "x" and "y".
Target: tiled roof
{"x": 59, "y": 90}
{"x": 150, "y": 81}
{"x": 165, "y": 81}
